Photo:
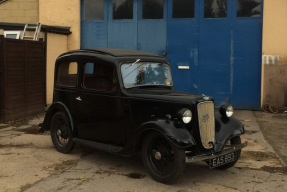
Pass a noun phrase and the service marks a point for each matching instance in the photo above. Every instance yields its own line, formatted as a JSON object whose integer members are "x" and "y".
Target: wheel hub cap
{"x": 157, "y": 155}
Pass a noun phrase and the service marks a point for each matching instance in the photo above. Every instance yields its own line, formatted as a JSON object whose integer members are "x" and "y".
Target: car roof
{"x": 114, "y": 52}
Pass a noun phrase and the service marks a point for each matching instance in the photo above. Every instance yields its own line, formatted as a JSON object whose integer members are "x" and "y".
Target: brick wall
{"x": 19, "y": 11}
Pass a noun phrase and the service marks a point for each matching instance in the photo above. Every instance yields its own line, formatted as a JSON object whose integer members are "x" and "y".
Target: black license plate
{"x": 221, "y": 160}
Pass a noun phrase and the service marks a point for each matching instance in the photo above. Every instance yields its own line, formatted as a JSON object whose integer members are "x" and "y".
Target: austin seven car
{"x": 124, "y": 102}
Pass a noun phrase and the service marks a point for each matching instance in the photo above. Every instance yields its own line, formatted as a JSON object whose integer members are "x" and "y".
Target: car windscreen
{"x": 146, "y": 74}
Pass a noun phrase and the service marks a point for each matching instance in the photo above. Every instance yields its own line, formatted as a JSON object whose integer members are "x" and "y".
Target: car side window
{"x": 68, "y": 74}
{"x": 100, "y": 77}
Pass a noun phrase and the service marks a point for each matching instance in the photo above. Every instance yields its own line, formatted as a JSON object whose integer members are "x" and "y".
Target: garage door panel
{"x": 247, "y": 63}
{"x": 122, "y": 35}
{"x": 183, "y": 52}
{"x": 152, "y": 36}
{"x": 215, "y": 83}
{"x": 94, "y": 34}
{"x": 214, "y": 69}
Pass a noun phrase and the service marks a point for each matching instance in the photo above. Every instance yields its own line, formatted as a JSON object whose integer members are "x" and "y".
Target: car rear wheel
{"x": 61, "y": 133}
{"x": 234, "y": 141}
{"x": 164, "y": 161}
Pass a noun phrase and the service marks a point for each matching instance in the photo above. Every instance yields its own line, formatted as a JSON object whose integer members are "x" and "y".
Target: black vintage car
{"x": 123, "y": 102}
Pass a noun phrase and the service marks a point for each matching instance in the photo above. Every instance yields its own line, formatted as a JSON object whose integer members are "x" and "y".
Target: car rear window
{"x": 68, "y": 74}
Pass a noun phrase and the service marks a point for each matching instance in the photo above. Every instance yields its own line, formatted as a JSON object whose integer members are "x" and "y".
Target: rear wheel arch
{"x": 53, "y": 109}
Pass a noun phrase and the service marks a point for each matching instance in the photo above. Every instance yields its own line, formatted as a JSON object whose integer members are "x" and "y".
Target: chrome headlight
{"x": 226, "y": 110}
{"x": 186, "y": 115}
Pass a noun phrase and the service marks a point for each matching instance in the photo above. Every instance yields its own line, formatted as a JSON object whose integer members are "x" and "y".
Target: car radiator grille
{"x": 206, "y": 123}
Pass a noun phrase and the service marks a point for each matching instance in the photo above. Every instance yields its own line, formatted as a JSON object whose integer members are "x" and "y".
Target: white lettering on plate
{"x": 216, "y": 162}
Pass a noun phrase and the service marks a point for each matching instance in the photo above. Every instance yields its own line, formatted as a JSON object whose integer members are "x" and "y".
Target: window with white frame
{"x": 12, "y": 34}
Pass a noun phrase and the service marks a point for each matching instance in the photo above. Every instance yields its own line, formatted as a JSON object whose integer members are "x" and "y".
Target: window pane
{"x": 89, "y": 68}
{"x": 249, "y": 8}
{"x": 73, "y": 68}
{"x": 146, "y": 74}
{"x": 100, "y": 77}
{"x": 215, "y": 8}
{"x": 93, "y": 10}
{"x": 152, "y": 9}
{"x": 11, "y": 36}
{"x": 122, "y": 9}
{"x": 67, "y": 74}
{"x": 183, "y": 9}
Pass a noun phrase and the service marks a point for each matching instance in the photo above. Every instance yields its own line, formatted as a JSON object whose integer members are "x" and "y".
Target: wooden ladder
{"x": 36, "y": 27}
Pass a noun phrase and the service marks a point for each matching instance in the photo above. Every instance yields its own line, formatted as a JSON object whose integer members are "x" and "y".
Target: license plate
{"x": 221, "y": 160}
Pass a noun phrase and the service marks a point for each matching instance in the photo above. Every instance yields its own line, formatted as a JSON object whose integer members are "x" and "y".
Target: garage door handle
{"x": 164, "y": 53}
{"x": 79, "y": 99}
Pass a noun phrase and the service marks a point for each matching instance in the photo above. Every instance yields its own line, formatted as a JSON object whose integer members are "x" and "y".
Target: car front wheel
{"x": 164, "y": 161}
{"x": 61, "y": 133}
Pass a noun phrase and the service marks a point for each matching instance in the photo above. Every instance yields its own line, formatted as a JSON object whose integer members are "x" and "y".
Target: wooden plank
{"x": 25, "y": 78}
{"x": 2, "y": 107}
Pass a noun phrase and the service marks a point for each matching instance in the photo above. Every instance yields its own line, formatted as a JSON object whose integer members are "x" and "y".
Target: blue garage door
{"x": 126, "y": 24}
{"x": 230, "y": 51}
{"x": 182, "y": 49}
{"x": 214, "y": 46}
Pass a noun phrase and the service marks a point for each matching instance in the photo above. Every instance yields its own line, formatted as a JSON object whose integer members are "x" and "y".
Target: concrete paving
{"x": 29, "y": 162}
{"x": 274, "y": 129}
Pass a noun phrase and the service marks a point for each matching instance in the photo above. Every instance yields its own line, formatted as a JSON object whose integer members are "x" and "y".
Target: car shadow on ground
{"x": 110, "y": 164}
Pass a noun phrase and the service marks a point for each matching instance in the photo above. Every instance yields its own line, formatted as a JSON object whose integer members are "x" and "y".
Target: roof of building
{"x": 44, "y": 28}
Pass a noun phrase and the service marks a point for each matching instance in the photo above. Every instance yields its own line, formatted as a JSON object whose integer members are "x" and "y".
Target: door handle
{"x": 164, "y": 53}
{"x": 79, "y": 98}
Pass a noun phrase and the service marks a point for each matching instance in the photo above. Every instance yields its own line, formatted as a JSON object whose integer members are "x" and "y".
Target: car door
{"x": 66, "y": 83}
{"x": 99, "y": 114}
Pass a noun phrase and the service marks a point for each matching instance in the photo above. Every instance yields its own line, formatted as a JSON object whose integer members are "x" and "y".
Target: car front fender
{"x": 178, "y": 135}
{"x": 225, "y": 129}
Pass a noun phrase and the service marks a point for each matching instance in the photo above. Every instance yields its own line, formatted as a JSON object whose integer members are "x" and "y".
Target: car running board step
{"x": 100, "y": 146}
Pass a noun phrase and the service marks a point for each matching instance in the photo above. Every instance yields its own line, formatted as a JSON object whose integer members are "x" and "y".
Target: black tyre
{"x": 234, "y": 141}
{"x": 61, "y": 133}
{"x": 164, "y": 161}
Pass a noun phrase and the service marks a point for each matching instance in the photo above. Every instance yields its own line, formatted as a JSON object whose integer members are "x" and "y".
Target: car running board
{"x": 100, "y": 146}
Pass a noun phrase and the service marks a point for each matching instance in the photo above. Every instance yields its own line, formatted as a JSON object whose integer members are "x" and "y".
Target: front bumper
{"x": 190, "y": 159}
